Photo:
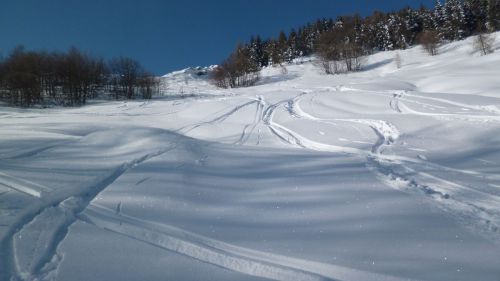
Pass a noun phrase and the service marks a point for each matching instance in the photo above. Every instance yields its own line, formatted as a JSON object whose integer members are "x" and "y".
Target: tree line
{"x": 71, "y": 78}
{"x": 342, "y": 42}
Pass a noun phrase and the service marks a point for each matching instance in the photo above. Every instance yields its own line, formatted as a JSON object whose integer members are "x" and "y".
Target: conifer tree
{"x": 493, "y": 15}
{"x": 282, "y": 48}
{"x": 414, "y": 24}
{"x": 453, "y": 27}
{"x": 427, "y": 18}
{"x": 476, "y": 15}
{"x": 439, "y": 19}
{"x": 383, "y": 37}
{"x": 256, "y": 51}
{"x": 292, "y": 51}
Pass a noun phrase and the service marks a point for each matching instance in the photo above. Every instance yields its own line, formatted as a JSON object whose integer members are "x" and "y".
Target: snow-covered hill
{"x": 193, "y": 81}
{"x": 384, "y": 174}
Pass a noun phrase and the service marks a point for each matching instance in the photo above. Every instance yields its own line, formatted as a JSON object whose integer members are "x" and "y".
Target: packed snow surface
{"x": 384, "y": 174}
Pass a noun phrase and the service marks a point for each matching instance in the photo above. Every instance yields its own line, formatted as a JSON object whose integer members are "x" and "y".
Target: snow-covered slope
{"x": 384, "y": 174}
{"x": 192, "y": 81}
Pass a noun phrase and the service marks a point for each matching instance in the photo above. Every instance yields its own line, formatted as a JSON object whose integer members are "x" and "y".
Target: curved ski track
{"x": 64, "y": 209}
{"x": 395, "y": 171}
{"x": 75, "y": 204}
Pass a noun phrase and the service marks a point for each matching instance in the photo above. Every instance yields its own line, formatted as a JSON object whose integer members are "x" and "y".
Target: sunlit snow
{"x": 383, "y": 174}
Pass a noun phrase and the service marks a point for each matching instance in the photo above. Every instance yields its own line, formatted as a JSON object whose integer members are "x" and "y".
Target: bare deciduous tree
{"x": 125, "y": 73}
{"x": 219, "y": 77}
{"x": 398, "y": 60}
{"x": 238, "y": 70}
{"x": 430, "y": 41}
{"x": 22, "y": 77}
{"x": 41, "y": 78}
{"x": 483, "y": 43}
{"x": 338, "y": 51}
{"x": 149, "y": 85}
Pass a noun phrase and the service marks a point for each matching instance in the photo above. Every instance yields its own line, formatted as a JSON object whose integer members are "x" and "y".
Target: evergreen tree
{"x": 397, "y": 32}
{"x": 301, "y": 43}
{"x": 274, "y": 52}
{"x": 358, "y": 31}
{"x": 382, "y": 35}
{"x": 293, "y": 49}
{"x": 453, "y": 27}
{"x": 439, "y": 18}
{"x": 256, "y": 51}
{"x": 427, "y": 18}
{"x": 493, "y": 15}
{"x": 414, "y": 24}
{"x": 311, "y": 35}
{"x": 476, "y": 14}
{"x": 283, "y": 55}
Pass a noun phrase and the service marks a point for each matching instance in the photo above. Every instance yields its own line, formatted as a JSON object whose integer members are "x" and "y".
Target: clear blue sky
{"x": 164, "y": 35}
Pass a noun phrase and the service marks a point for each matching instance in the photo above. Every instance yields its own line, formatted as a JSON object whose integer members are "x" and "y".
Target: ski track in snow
{"x": 46, "y": 225}
{"x": 450, "y": 196}
{"x": 235, "y": 258}
{"x": 493, "y": 113}
{"x": 23, "y": 186}
{"x": 35, "y": 151}
{"x": 250, "y": 128}
{"x": 30, "y": 244}
{"x": 62, "y": 208}
{"x": 217, "y": 119}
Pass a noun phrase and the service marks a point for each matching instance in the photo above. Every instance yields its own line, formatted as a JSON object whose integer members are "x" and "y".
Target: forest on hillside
{"x": 341, "y": 42}
{"x": 71, "y": 78}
